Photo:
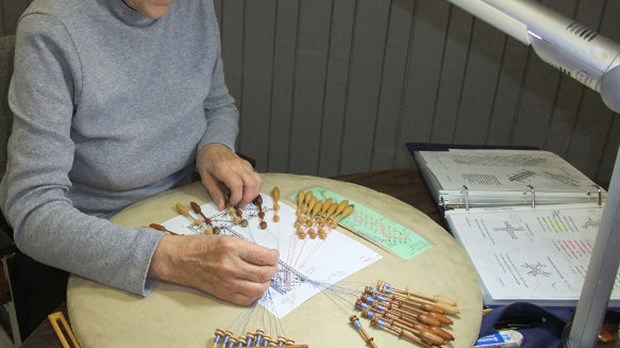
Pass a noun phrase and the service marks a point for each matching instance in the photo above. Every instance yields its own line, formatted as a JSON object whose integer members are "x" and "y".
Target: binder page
{"x": 538, "y": 255}
{"x": 505, "y": 171}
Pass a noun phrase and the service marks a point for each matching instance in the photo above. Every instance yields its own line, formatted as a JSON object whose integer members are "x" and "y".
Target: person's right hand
{"x": 228, "y": 268}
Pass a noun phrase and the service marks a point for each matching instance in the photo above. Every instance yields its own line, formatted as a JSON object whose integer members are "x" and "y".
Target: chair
{"x": 7, "y": 247}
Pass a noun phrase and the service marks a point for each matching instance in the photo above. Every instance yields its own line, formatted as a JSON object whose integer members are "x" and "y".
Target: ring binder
{"x": 600, "y": 193}
{"x": 465, "y": 191}
{"x": 501, "y": 177}
{"x": 522, "y": 247}
{"x": 531, "y": 189}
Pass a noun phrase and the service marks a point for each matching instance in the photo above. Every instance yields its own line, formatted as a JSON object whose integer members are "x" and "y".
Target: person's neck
{"x": 153, "y": 11}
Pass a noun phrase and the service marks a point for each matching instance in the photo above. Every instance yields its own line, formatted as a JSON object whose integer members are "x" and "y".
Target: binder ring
{"x": 465, "y": 191}
{"x": 530, "y": 188}
{"x": 600, "y": 193}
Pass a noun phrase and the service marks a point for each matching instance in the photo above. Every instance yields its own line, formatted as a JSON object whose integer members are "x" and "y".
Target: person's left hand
{"x": 222, "y": 170}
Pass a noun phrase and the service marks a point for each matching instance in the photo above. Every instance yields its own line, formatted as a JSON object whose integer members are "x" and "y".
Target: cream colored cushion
{"x": 174, "y": 316}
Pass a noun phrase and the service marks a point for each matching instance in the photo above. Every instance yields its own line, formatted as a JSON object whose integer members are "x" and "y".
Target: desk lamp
{"x": 593, "y": 60}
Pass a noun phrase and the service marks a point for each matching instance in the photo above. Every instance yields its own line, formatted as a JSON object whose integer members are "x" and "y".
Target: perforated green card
{"x": 376, "y": 228}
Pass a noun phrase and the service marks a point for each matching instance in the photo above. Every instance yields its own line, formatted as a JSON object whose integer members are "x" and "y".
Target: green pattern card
{"x": 376, "y": 228}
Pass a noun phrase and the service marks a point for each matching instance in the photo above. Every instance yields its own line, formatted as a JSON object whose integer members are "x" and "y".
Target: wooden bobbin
{"x": 218, "y": 338}
{"x": 406, "y": 291}
{"x": 196, "y": 208}
{"x": 300, "y": 200}
{"x": 435, "y": 307}
{"x": 420, "y": 331}
{"x": 325, "y": 207}
{"x": 316, "y": 209}
{"x": 232, "y": 341}
{"x": 275, "y": 193}
{"x": 183, "y": 210}
{"x": 340, "y": 208}
{"x": 162, "y": 228}
{"x": 346, "y": 212}
{"x": 419, "y": 326}
{"x": 308, "y": 197}
{"x": 395, "y": 312}
{"x": 331, "y": 210}
{"x": 312, "y": 234}
{"x": 428, "y": 307}
{"x": 230, "y": 209}
{"x": 375, "y": 321}
{"x": 354, "y": 320}
{"x": 450, "y": 309}
{"x": 309, "y": 206}
{"x": 249, "y": 338}
{"x": 421, "y": 316}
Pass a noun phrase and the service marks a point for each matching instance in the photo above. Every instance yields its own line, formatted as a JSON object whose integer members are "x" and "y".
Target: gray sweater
{"x": 110, "y": 107}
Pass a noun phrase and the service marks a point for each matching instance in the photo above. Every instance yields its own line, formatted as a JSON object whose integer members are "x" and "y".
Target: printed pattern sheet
{"x": 307, "y": 266}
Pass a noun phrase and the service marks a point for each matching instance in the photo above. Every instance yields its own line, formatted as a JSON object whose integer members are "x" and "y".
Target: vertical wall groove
{"x": 398, "y": 136}
{"x": 348, "y": 86}
{"x": 290, "y": 159}
{"x": 378, "y": 106}
{"x": 325, "y": 84}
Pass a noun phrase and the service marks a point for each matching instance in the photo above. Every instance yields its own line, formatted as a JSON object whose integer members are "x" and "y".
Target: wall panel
{"x": 452, "y": 75}
{"x": 257, "y": 68}
{"x": 285, "y": 46}
{"x": 367, "y": 60}
{"x": 507, "y": 97}
{"x": 480, "y": 84}
{"x": 422, "y": 83}
{"x": 394, "y": 71}
{"x": 328, "y": 87}
{"x": 309, "y": 85}
{"x": 336, "y": 86}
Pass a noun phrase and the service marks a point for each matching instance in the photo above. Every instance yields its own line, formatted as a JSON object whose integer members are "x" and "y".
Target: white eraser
{"x": 501, "y": 339}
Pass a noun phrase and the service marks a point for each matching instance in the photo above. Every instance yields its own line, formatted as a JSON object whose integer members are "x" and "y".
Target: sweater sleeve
{"x": 47, "y": 226}
{"x": 220, "y": 109}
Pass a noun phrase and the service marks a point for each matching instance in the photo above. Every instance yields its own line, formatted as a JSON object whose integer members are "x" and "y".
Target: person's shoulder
{"x": 56, "y": 8}
{"x": 44, "y": 16}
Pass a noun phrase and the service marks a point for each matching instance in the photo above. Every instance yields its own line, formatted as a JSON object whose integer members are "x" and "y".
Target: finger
{"x": 234, "y": 183}
{"x": 244, "y": 185}
{"x": 258, "y": 255}
{"x": 245, "y": 293}
{"x": 215, "y": 191}
{"x": 252, "y": 183}
{"x": 256, "y": 274}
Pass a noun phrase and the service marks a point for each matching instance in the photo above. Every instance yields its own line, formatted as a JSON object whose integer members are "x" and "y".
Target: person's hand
{"x": 228, "y": 268}
{"x": 218, "y": 165}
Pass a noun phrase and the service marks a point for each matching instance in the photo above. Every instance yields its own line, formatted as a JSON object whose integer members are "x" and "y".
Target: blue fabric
{"x": 540, "y": 327}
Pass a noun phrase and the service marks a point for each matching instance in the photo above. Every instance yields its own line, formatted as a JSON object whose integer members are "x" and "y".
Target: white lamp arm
{"x": 574, "y": 49}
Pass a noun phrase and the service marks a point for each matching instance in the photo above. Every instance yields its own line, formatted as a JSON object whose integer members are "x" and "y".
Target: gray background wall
{"x": 329, "y": 87}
